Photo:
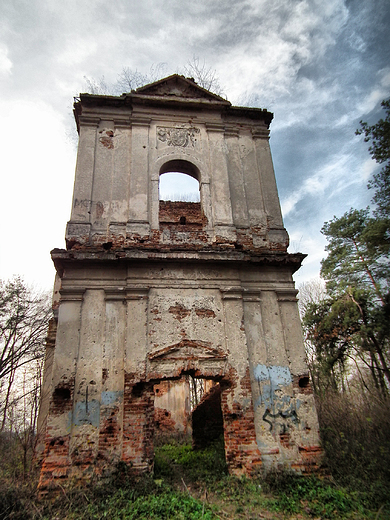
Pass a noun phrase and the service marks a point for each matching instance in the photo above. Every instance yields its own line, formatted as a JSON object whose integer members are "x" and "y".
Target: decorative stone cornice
{"x": 89, "y": 120}
{"x": 96, "y": 255}
{"x": 260, "y": 132}
{"x": 232, "y": 131}
{"x": 71, "y": 294}
{"x": 139, "y": 293}
{"x": 122, "y": 123}
{"x": 231, "y": 293}
{"x": 215, "y": 127}
{"x": 115, "y": 294}
{"x": 140, "y": 121}
{"x": 287, "y": 295}
{"x": 251, "y": 295}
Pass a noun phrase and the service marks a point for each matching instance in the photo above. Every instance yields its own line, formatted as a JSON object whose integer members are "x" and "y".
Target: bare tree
{"x": 205, "y": 76}
{"x": 24, "y": 317}
{"x": 312, "y": 291}
{"x": 197, "y": 390}
{"x": 98, "y": 86}
{"x": 130, "y": 79}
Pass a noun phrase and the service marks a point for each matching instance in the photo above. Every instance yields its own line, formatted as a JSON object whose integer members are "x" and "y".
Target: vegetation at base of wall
{"x": 206, "y": 466}
{"x": 189, "y": 484}
{"x": 356, "y": 441}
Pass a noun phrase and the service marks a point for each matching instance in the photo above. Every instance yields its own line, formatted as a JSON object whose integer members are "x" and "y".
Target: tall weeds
{"x": 355, "y": 431}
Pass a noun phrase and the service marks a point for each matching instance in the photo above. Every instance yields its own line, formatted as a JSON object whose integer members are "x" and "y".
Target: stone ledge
{"x": 62, "y": 256}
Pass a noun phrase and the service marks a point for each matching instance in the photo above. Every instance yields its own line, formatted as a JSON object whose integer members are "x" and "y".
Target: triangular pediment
{"x": 188, "y": 350}
{"x": 177, "y": 86}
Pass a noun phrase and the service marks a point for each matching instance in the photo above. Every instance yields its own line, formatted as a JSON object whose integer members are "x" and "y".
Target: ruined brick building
{"x": 150, "y": 291}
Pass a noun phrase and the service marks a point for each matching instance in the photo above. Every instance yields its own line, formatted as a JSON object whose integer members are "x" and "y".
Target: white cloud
{"x": 77, "y": 51}
{"x": 327, "y": 177}
{"x": 306, "y": 240}
{"x": 5, "y": 62}
{"x": 320, "y": 66}
{"x": 37, "y": 167}
{"x": 367, "y": 169}
{"x": 289, "y": 36}
{"x": 379, "y": 91}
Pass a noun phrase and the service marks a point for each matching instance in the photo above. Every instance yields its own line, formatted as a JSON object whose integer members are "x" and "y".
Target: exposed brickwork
{"x": 205, "y": 313}
{"x": 45, "y": 391}
{"x": 310, "y": 459}
{"x": 187, "y": 215}
{"x": 110, "y": 437}
{"x": 163, "y": 240}
{"x": 138, "y": 424}
{"x": 179, "y": 312}
{"x": 56, "y": 465}
{"x": 163, "y": 421}
{"x": 242, "y": 453}
{"x": 106, "y": 139}
{"x": 56, "y": 462}
{"x": 175, "y": 232}
{"x": 161, "y": 388}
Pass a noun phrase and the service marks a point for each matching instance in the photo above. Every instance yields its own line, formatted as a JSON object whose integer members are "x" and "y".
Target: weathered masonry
{"x": 152, "y": 290}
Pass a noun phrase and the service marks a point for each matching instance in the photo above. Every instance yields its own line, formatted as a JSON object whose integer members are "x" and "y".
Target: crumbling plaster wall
{"x": 172, "y": 407}
{"x": 146, "y": 299}
{"x": 120, "y": 160}
{"x": 159, "y": 322}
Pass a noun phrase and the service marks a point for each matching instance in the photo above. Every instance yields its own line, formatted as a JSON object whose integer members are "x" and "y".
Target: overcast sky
{"x": 319, "y": 66}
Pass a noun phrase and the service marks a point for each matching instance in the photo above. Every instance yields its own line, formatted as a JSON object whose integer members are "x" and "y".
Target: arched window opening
{"x": 176, "y": 186}
{"x": 179, "y": 195}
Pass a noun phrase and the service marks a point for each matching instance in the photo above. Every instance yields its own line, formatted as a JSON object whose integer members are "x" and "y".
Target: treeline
{"x": 346, "y": 320}
{"x": 24, "y": 318}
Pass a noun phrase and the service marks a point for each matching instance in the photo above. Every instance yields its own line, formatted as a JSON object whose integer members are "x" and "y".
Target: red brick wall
{"x": 187, "y": 215}
{"x": 138, "y": 425}
{"x": 242, "y": 453}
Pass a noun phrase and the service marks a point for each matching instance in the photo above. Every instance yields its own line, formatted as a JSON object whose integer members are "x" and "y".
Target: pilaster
{"x": 138, "y": 222}
{"x": 236, "y": 179}
{"x": 84, "y": 440}
{"x": 220, "y": 194}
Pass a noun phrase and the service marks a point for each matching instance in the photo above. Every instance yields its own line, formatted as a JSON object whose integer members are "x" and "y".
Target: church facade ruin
{"x": 151, "y": 291}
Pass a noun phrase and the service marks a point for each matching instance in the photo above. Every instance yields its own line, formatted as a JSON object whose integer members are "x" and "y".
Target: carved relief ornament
{"x": 177, "y": 136}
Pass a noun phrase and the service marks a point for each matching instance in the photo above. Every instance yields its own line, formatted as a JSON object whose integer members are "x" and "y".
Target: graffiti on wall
{"x": 274, "y": 398}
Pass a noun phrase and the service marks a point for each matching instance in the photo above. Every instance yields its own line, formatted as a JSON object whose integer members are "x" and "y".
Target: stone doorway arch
{"x": 189, "y": 357}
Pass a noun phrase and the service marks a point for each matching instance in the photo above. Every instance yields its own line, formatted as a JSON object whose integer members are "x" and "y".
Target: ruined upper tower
{"x": 153, "y": 290}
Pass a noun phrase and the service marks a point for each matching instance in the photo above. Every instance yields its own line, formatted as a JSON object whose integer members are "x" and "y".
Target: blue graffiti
{"x": 111, "y": 397}
{"x": 277, "y": 403}
{"x": 86, "y": 413}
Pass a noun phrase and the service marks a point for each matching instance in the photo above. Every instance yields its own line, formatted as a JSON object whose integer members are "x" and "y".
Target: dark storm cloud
{"x": 319, "y": 66}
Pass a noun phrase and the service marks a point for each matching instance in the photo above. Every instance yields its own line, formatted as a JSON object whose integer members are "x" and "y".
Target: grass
{"x": 191, "y": 485}
{"x": 202, "y": 466}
